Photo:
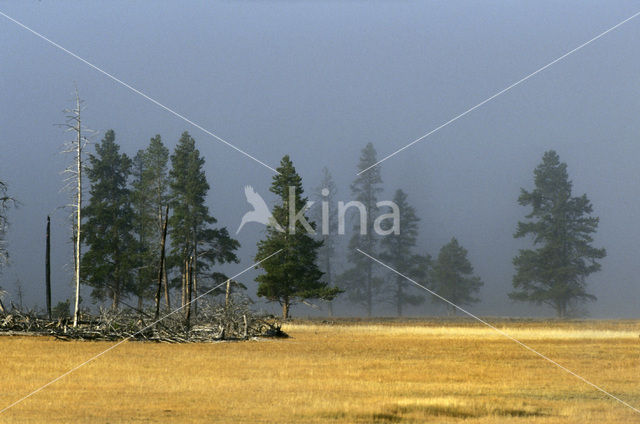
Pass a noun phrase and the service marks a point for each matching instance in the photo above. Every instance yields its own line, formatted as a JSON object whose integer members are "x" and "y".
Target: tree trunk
{"x": 161, "y": 268}
{"x": 195, "y": 278}
{"x": 369, "y": 291}
{"x": 227, "y": 295}
{"x": 47, "y": 265}
{"x": 188, "y": 293}
{"x": 330, "y": 281}
{"x": 76, "y": 311}
{"x": 285, "y": 309}
{"x": 399, "y": 297}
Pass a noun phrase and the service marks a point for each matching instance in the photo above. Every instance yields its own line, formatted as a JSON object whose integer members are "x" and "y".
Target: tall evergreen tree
{"x": 561, "y": 226}
{"x": 398, "y": 253}
{"x": 149, "y": 199}
{"x": 325, "y": 196}
{"x": 292, "y": 275}
{"x": 363, "y": 286}
{"x": 108, "y": 264}
{"x": 143, "y": 220}
{"x": 196, "y": 247}
{"x": 452, "y": 276}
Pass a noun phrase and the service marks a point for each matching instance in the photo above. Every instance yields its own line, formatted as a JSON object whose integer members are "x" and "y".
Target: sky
{"x": 319, "y": 80}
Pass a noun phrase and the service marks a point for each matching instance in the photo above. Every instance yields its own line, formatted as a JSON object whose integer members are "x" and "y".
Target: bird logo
{"x": 260, "y": 212}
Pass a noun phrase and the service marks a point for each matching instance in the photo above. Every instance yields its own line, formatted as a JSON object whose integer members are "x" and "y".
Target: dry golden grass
{"x": 345, "y": 372}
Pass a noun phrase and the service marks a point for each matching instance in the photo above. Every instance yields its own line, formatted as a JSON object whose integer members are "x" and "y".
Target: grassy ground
{"x": 340, "y": 372}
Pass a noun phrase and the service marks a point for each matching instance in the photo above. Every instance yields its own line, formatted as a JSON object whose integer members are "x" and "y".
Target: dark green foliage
{"x": 452, "y": 276}
{"x": 196, "y": 247}
{"x": 362, "y": 285}
{"x": 561, "y": 226}
{"x": 149, "y": 197}
{"x": 108, "y": 264}
{"x": 292, "y": 275}
{"x": 398, "y": 254}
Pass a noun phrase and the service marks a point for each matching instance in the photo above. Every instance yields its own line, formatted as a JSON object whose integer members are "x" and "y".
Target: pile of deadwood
{"x": 211, "y": 323}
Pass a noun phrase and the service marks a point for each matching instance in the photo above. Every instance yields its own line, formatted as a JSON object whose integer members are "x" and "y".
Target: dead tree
{"x": 75, "y": 147}
{"x": 47, "y": 266}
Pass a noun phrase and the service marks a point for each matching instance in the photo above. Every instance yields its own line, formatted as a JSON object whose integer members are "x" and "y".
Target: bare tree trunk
{"x": 399, "y": 296}
{"x": 79, "y": 142}
{"x": 47, "y": 266}
{"x": 195, "y": 279}
{"x": 161, "y": 268}
{"x": 188, "y": 293}
{"x": 227, "y": 295}
{"x": 285, "y": 309}
{"x": 183, "y": 281}
{"x": 165, "y": 281}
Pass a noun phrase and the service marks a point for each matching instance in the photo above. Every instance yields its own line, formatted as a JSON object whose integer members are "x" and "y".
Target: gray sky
{"x": 318, "y": 80}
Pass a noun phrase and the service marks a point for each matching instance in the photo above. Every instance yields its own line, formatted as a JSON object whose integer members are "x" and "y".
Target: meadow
{"x": 340, "y": 371}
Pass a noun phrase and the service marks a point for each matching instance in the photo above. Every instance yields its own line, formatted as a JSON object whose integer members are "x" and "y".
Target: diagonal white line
{"x": 501, "y": 332}
{"x": 152, "y": 100}
{"x": 499, "y": 93}
{"x": 131, "y": 336}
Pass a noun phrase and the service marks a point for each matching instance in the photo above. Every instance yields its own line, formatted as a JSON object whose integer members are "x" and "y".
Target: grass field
{"x": 340, "y": 372}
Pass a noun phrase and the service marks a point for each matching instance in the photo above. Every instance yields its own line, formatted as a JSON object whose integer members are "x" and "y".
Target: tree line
{"x": 137, "y": 204}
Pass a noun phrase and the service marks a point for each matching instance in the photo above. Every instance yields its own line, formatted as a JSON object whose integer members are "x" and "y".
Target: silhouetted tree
{"x": 327, "y": 232}
{"x": 360, "y": 282}
{"x": 561, "y": 226}
{"x": 452, "y": 276}
{"x": 398, "y": 254}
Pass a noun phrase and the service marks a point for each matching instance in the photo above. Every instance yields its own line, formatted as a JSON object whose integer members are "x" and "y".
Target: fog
{"x": 319, "y": 80}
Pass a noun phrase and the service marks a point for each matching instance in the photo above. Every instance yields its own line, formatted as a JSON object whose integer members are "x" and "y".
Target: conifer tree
{"x": 292, "y": 275}
{"x": 149, "y": 199}
{"x": 196, "y": 247}
{"x": 452, "y": 276}
{"x": 398, "y": 253}
{"x": 362, "y": 285}
{"x": 108, "y": 264}
{"x": 561, "y": 226}
{"x": 327, "y": 230}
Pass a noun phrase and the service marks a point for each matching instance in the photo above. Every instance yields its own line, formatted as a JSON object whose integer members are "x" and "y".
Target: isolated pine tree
{"x": 398, "y": 253}
{"x": 452, "y": 276}
{"x": 561, "y": 226}
{"x": 196, "y": 246}
{"x": 110, "y": 259}
{"x": 292, "y": 275}
{"x": 362, "y": 285}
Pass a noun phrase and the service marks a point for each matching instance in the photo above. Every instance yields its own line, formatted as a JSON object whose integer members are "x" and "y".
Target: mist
{"x": 318, "y": 81}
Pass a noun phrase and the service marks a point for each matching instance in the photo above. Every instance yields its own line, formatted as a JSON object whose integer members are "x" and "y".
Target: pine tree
{"x": 292, "y": 275}
{"x": 108, "y": 264}
{"x": 561, "y": 226}
{"x": 328, "y": 229}
{"x": 452, "y": 276}
{"x": 398, "y": 253}
{"x": 149, "y": 199}
{"x": 143, "y": 220}
{"x": 196, "y": 247}
{"x": 363, "y": 286}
